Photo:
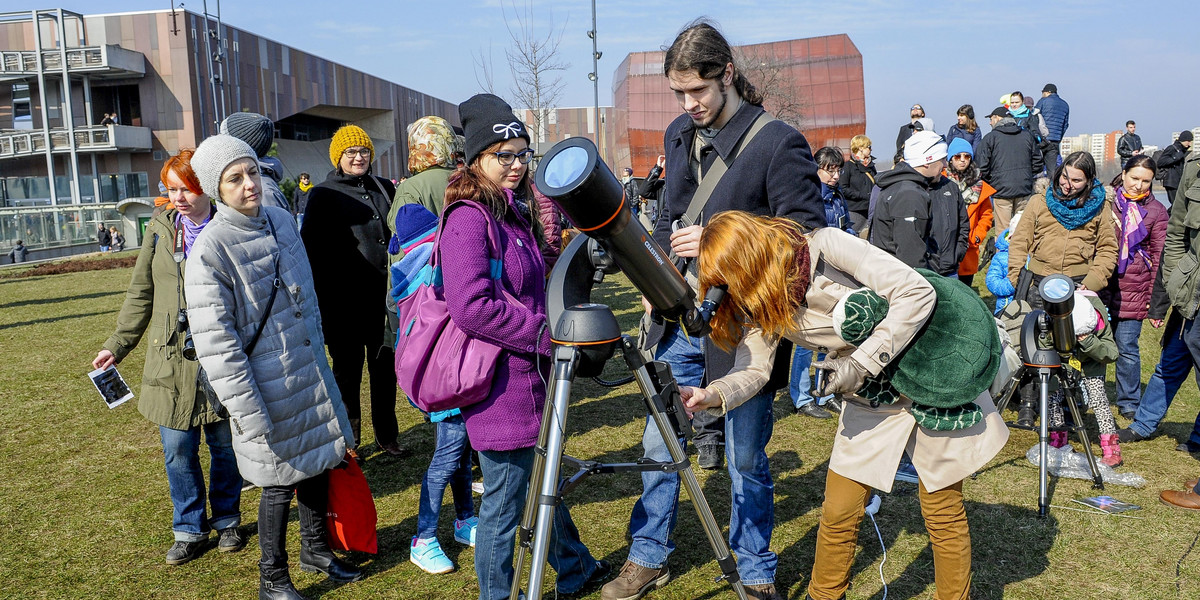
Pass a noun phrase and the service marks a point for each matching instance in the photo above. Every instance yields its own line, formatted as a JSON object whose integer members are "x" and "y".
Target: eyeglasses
{"x": 352, "y": 152}
{"x": 962, "y": 156}
{"x": 833, "y": 171}
{"x": 507, "y": 158}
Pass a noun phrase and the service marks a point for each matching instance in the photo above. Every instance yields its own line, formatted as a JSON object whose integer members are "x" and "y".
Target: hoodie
{"x": 921, "y": 222}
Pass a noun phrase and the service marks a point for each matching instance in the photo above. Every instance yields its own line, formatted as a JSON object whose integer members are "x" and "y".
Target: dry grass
{"x": 84, "y": 510}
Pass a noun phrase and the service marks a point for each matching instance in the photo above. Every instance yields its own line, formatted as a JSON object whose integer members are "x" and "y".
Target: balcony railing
{"x": 90, "y": 60}
{"x": 96, "y": 138}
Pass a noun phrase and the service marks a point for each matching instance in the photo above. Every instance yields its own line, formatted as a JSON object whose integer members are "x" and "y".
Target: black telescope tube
{"x": 573, "y": 175}
{"x": 1058, "y": 298}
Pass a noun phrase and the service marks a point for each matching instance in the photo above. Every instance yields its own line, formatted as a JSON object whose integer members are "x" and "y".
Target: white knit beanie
{"x": 213, "y": 156}
{"x": 923, "y": 147}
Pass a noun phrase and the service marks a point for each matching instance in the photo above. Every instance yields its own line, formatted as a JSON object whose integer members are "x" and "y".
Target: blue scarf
{"x": 1073, "y": 218}
{"x": 1020, "y": 112}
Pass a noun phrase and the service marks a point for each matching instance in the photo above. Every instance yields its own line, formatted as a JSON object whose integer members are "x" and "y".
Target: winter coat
{"x": 1008, "y": 159}
{"x": 922, "y": 223}
{"x": 104, "y": 237}
{"x": 1056, "y": 113}
{"x": 906, "y": 131}
{"x": 1181, "y": 254}
{"x": 979, "y": 218}
{"x": 1171, "y": 164}
{"x": 346, "y": 235}
{"x": 773, "y": 175}
{"x": 551, "y": 220}
{"x": 1089, "y": 251}
{"x": 836, "y": 215}
{"x": 300, "y": 199}
{"x": 1127, "y": 144}
{"x": 856, "y": 184}
{"x": 511, "y": 415}
{"x": 18, "y": 253}
{"x": 997, "y": 279}
{"x": 170, "y": 396}
{"x": 974, "y": 139}
{"x": 1128, "y": 294}
{"x": 427, "y": 188}
{"x": 870, "y": 440}
{"x": 272, "y": 173}
{"x": 286, "y": 413}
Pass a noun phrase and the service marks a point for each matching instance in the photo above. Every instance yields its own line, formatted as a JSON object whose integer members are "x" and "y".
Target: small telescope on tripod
{"x": 1047, "y": 340}
{"x": 586, "y": 335}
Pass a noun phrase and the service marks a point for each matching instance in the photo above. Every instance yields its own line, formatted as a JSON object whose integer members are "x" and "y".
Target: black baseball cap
{"x": 1000, "y": 111}
{"x": 1050, "y": 87}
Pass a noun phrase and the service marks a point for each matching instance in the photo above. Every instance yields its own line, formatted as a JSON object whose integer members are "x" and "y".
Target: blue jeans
{"x": 1172, "y": 370}
{"x": 450, "y": 465}
{"x": 185, "y": 477}
{"x": 505, "y": 482}
{"x": 752, "y": 517}
{"x": 1129, "y": 363}
{"x": 801, "y": 378}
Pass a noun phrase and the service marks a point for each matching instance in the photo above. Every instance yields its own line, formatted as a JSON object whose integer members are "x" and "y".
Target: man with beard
{"x": 770, "y": 172}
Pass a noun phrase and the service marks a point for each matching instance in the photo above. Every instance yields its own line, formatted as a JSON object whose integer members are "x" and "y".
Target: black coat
{"x": 1171, "y": 164}
{"x": 346, "y": 236}
{"x": 922, "y": 223}
{"x": 906, "y": 132}
{"x": 1009, "y": 159}
{"x": 1126, "y": 144}
{"x": 855, "y": 185}
{"x": 774, "y": 175}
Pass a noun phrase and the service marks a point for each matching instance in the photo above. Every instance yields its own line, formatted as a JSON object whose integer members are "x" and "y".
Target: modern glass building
{"x": 816, "y": 84}
{"x": 170, "y": 77}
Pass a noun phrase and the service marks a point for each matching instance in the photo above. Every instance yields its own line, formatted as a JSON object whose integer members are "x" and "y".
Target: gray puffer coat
{"x": 286, "y": 413}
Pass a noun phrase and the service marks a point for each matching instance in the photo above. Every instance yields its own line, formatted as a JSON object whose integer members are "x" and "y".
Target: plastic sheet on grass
{"x": 1066, "y": 462}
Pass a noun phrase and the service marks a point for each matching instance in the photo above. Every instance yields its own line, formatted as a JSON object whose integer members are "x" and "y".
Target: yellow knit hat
{"x": 349, "y": 136}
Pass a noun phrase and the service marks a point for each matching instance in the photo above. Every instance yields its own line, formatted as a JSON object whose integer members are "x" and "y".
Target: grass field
{"x": 84, "y": 509}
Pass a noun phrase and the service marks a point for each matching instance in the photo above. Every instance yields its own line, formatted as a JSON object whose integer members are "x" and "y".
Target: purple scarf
{"x": 191, "y": 230}
{"x": 1131, "y": 230}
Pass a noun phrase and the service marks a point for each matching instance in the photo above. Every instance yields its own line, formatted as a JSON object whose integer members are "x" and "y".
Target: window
{"x": 22, "y": 107}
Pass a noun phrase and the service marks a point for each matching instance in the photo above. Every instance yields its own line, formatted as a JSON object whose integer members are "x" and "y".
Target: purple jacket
{"x": 1128, "y": 295}
{"x": 510, "y": 417}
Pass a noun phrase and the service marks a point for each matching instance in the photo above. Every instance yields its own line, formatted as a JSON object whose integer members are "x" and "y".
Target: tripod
{"x": 586, "y": 336}
{"x": 1044, "y": 363}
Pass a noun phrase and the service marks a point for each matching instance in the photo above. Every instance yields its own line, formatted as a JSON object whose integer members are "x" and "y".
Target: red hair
{"x": 181, "y": 164}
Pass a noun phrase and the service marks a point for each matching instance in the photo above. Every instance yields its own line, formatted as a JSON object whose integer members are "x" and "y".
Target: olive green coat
{"x": 1181, "y": 250}
{"x": 170, "y": 397}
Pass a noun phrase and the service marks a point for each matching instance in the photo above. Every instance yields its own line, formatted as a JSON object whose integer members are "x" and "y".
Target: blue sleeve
{"x": 997, "y": 279}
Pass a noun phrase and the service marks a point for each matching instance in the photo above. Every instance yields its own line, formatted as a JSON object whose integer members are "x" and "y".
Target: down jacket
{"x": 286, "y": 413}
{"x": 1009, "y": 159}
{"x": 1128, "y": 294}
{"x": 170, "y": 397}
{"x": 1057, "y": 115}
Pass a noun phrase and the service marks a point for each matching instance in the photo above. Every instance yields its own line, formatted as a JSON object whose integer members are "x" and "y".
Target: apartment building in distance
{"x": 170, "y": 77}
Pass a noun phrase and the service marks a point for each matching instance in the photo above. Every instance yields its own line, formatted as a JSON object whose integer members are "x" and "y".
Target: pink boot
{"x": 1111, "y": 445}
{"x": 1058, "y": 439}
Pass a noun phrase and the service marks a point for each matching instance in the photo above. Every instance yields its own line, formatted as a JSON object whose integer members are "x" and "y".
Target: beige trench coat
{"x": 869, "y": 441}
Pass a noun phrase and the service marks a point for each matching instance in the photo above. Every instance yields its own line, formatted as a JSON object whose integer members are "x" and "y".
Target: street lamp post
{"x": 594, "y": 76}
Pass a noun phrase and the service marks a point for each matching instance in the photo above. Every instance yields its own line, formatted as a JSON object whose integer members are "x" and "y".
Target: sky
{"x": 1111, "y": 60}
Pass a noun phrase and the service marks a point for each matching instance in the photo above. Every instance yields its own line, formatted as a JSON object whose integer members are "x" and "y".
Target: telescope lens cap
{"x": 565, "y": 167}
{"x": 1057, "y": 288}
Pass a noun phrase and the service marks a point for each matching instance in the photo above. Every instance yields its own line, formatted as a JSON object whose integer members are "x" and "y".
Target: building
{"x": 170, "y": 76}
{"x": 816, "y": 84}
{"x": 558, "y": 124}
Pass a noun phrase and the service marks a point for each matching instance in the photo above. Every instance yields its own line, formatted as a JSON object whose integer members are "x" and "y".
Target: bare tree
{"x": 535, "y": 65}
{"x": 484, "y": 70}
{"x": 770, "y": 75}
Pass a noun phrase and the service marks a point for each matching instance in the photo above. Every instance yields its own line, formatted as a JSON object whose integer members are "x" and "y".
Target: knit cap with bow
{"x": 488, "y": 119}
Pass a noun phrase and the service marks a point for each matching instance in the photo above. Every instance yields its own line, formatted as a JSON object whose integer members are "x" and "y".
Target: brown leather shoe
{"x": 762, "y": 591}
{"x": 394, "y": 449}
{"x": 1189, "y": 499}
{"x": 634, "y": 581}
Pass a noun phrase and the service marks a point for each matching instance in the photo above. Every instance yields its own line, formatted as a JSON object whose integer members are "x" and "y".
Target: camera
{"x": 181, "y": 326}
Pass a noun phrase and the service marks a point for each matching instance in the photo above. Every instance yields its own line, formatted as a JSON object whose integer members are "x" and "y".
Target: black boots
{"x": 278, "y": 590}
{"x": 324, "y": 561}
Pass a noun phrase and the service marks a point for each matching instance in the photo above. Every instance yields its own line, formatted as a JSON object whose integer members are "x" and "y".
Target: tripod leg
{"x": 1043, "y": 441}
{"x": 1009, "y": 389}
{"x": 525, "y": 529}
{"x": 695, "y": 492}
{"x": 554, "y": 423}
{"x": 1072, "y": 397}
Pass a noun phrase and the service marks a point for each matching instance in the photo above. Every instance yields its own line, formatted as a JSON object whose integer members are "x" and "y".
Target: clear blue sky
{"x": 1112, "y": 60}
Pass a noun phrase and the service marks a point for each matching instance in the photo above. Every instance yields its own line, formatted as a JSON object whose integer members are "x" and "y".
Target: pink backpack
{"x": 439, "y": 366}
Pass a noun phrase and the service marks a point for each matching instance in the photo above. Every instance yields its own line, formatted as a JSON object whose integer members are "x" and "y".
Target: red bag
{"x": 351, "y": 516}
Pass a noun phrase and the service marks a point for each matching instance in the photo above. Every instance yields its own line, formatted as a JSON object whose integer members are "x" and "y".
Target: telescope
{"x": 586, "y": 334}
{"x": 1047, "y": 341}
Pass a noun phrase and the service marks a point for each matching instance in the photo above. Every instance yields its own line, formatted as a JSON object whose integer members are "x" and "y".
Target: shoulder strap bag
{"x": 438, "y": 365}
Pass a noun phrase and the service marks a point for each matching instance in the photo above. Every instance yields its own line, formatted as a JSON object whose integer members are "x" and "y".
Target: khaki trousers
{"x": 1004, "y": 209}
{"x": 841, "y": 515}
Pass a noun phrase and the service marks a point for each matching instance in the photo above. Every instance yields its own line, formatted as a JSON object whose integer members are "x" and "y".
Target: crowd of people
{"x": 829, "y": 263}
